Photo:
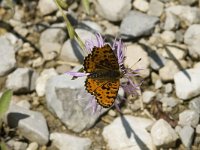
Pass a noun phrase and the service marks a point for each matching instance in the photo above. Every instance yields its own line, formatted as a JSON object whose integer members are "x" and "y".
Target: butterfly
{"x": 104, "y": 78}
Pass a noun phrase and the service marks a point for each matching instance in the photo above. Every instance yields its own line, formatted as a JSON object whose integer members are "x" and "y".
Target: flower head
{"x": 126, "y": 73}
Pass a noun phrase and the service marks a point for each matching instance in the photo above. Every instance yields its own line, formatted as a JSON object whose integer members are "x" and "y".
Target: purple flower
{"x": 127, "y": 73}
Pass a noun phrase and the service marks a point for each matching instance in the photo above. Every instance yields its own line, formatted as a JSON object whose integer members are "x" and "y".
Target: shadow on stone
{"x": 130, "y": 131}
{"x": 13, "y": 118}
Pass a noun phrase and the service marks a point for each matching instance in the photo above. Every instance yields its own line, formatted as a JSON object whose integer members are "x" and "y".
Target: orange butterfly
{"x": 104, "y": 79}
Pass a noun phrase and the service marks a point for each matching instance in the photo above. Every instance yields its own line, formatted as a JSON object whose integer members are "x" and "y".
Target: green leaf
{"x": 5, "y": 102}
{"x": 62, "y": 4}
{"x": 3, "y": 146}
{"x": 86, "y": 5}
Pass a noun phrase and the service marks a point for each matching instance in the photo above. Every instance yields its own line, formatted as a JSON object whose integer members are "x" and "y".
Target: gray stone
{"x": 47, "y": 6}
{"x": 189, "y": 118}
{"x": 130, "y": 131}
{"x": 68, "y": 142}
{"x": 136, "y": 24}
{"x": 198, "y": 129}
{"x": 93, "y": 25}
{"x": 24, "y": 103}
{"x": 171, "y": 22}
{"x": 187, "y": 15}
{"x": 68, "y": 99}
{"x": 7, "y": 58}
{"x": 197, "y": 65}
{"x": 33, "y": 146}
{"x": 163, "y": 134}
{"x": 168, "y": 88}
{"x": 51, "y": 41}
{"x": 180, "y": 36}
{"x": 170, "y": 69}
{"x": 155, "y": 8}
{"x": 141, "y": 5}
{"x": 32, "y": 125}
{"x": 192, "y": 39}
{"x": 13, "y": 40}
{"x": 133, "y": 53}
{"x": 22, "y": 80}
{"x": 147, "y": 96}
{"x": 188, "y": 2}
{"x": 42, "y": 80}
{"x": 158, "y": 84}
{"x": 110, "y": 28}
{"x": 16, "y": 145}
{"x": 168, "y": 37}
{"x": 71, "y": 51}
{"x": 186, "y": 135}
{"x": 194, "y": 104}
{"x": 169, "y": 101}
{"x": 187, "y": 83}
{"x": 105, "y": 9}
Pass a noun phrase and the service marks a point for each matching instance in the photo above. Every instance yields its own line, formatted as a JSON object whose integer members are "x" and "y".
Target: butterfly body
{"x": 104, "y": 75}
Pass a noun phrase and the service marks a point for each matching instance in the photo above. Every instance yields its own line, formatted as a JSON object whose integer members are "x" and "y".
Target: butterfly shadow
{"x": 129, "y": 131}
{"x": 154, "y": 56}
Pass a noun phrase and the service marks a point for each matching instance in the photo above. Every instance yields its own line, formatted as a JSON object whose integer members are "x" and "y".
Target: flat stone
{"x": 16, "y": 145}
{"x": 32, "y": 125}
{"x": 171, "y": 22}
{"x": 50, "y": 46}
{"x": 170, "y": 69}
{"x": 68, "y": 100}
{"x": 71, "y": 51}
{"x": 33, "y": 146}
{"x": 141, "y": 5}
{"x": 186, "y": 14}
{"x": 168, "y": 88}
{"x": 186, "y": 135}
{"x": 168, "y": 37}
{"x": 47, "y": 6}
{"x": 131, "y": 132}
{"x": 42, "y": 80}
{"x": 194, "y": 104}
{"x": 169, "y": 101}
{"x": 163, "y": 134}
{"x": 197, "y": 65}
{"x": 187, "y": 83}
{"x": 22, "y": 80}
{"x": 65, "y": 141}
{"x": 7, "y": 51}
{"x": 158, "y": 84}
{"x": 93, "y": 25}
{"x": 143, "y": 25}
{"x": 189, "y": 118}
{"x": 192, "y": 39}
{"x": 106, "y": 10}
{"x": 133, "y": 53}
{"x": 155, "y": 8}
{"x": 188, "y": 2}
{"x": 198, "y": 129}
{"x": 147, "y": 96}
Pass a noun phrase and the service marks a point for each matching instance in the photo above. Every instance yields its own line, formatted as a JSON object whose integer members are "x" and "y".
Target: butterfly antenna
{"x": 136, "y": 62}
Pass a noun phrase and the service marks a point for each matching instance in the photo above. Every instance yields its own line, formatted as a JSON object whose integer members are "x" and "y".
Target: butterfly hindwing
{"x": 105, "y": 91}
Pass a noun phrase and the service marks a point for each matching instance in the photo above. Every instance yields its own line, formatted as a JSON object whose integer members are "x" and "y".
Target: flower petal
{"x": 77, "y": 74}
